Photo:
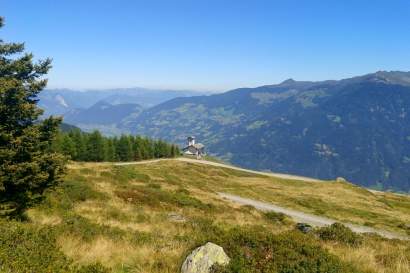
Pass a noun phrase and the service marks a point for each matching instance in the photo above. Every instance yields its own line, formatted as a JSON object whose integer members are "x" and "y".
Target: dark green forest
{"x": 81, "y": 146}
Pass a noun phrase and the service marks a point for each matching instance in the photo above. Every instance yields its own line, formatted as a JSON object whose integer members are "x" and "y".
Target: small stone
{"x": 203, "y": 258}
{"x": 305, "y": 228}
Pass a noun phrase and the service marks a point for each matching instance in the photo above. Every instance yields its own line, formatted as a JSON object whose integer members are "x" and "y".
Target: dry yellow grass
{"x": 122, "y": 219}
{"x": 384, "y": 257}
{"x": 337, "y": 200}
{"x": 343, "y": 201}
{"x": 43, "y": 217}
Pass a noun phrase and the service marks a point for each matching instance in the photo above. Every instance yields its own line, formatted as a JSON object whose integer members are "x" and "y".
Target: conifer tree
{"x": 28, "y": 165}
{"x": 101, "y": 148}
{"x": 124, "y": 148}
{"x": 79, "y": 140}
{"x": 68, "y": 147}
{"x": 95, "y": 147}
{"x": 110, "y": 154}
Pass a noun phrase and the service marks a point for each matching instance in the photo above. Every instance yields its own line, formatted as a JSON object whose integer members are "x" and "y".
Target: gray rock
{"x": 340, "y": 179}
{"x": 203, "y": 258}
{"x": 305, "y": 228}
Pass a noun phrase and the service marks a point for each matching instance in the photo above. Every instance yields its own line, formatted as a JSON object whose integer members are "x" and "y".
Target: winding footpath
{"x": 298, "y": 216}
{"x": 311, "y": 219}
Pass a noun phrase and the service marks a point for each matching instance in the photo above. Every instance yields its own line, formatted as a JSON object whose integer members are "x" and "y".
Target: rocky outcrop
{"x": 203, "y": 258}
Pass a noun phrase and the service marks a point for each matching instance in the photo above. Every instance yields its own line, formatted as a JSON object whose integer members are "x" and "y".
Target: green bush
{"x": 87, "y": 230}
{"x": 72, "y": 190}
{"x": 275, "y": 216}
{"x": 156, "y": 197}
{"x": 339, "y": 233}
{"x": 124, "y": 174}
{"x": 93, "y": 268}
{"x": 25, "y": 248}
{"x": 255, "y": 250}
{"x": 80, "y": 190}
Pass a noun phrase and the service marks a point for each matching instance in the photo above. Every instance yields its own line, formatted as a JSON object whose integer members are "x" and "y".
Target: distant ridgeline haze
{"x": 104, "y": 109}
{"x": 357, "y": 128}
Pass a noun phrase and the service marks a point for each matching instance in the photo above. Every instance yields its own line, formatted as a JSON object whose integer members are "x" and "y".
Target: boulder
{"x": 305, "y": 228}
{"x": 203, "y": 258}
{"x": 341, "y": 179}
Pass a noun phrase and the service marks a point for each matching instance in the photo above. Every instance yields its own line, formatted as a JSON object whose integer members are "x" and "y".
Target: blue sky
{"x": 209, "y": 45}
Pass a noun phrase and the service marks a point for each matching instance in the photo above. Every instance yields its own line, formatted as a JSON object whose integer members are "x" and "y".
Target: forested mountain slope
{"x": 358, "y": 128}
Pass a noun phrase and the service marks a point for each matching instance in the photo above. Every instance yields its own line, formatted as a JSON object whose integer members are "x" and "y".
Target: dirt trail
{"x": 296, "y": 215}
{"x": 278, "y": 175}
{"x": 311, "y": 219}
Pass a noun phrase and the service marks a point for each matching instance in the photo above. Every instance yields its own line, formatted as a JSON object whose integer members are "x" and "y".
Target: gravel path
{"x": 296, "y": 215}
{"x": 311, "y": 219}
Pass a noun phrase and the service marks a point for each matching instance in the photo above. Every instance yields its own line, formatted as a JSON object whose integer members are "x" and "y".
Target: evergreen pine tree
{"x": 95, "y": 147}
{"x": 109, "y": 150}
{"x": 138, "y": 149}
{"x": 68, "y": 147}
{"x": 150, "y": 148}
{"x": 28, "y": 165}
{"x": 79, "y": 140}
{"x": 124, "y": 149}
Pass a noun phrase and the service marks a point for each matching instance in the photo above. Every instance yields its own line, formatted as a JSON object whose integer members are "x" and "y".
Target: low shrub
{"x": 156, "y": 197}
{"x": 80, "y": 190}
{"x": 68, "y": 193}
{"x": 185, "y": 200}
{"x": 275, "y": 216}
{"x": 340, "y": 233}
{"x": 255, "y": 250}
{"x": 247, "y": 208}
{"x": 25, "y": 248}
{"x": 93, "y": 268}
{"x": 405, "y": 227}
{"x": 86, "y": 230}
{"x": 124, "y": 174}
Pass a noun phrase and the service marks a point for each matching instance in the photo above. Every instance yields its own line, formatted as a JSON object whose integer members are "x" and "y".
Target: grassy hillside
{"x": 147, "y": 218}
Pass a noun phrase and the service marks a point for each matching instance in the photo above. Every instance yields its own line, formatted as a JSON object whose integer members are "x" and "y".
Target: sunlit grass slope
{"x": 147, "y": 218}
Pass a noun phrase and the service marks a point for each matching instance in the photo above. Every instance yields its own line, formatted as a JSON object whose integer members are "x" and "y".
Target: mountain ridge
{"x": 356, "y": 128}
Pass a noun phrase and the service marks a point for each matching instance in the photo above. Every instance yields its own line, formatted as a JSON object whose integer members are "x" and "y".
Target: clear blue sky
{"x": 209, "y": 45}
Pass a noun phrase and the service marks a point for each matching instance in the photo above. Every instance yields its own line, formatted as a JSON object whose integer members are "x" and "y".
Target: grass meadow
{"x": 147, "y": 218}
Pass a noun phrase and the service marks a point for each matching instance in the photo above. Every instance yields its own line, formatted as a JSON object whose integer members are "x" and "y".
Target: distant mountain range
{"x": 104, "y": 109}
{"x": 61, "y": 101}
{"x": 357, "y": 128}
